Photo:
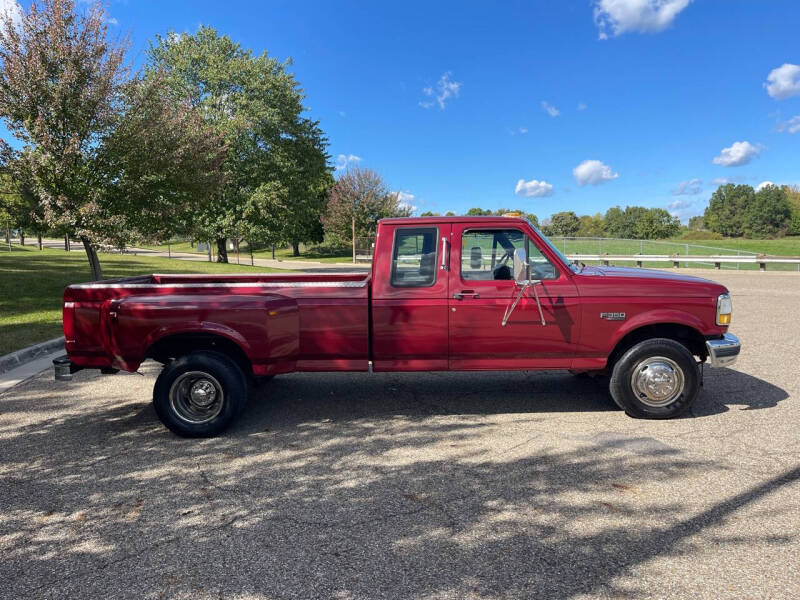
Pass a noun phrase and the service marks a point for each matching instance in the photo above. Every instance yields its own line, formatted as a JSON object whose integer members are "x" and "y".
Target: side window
{"x": 414, "y": 257}
{"x": 488, "y": 255}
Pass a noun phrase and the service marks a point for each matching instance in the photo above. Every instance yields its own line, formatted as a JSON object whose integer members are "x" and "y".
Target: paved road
{"x": 488, "y": 485}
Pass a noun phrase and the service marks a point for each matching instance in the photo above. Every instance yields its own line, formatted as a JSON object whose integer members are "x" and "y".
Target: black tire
{"x": 183, "y": 389}
{"x": 668, "y": 366}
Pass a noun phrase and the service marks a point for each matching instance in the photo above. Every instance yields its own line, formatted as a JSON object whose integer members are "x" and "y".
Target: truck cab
{"x": 444, "y": 293}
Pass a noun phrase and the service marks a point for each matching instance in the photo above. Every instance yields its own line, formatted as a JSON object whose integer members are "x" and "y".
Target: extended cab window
{"x": 488, "y": 254}
{"x": 414, "y": 257}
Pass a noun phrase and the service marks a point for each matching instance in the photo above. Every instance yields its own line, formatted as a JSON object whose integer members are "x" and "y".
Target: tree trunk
{"x": 21, "y": 237}
{"x": 66, "y": 242}
{"x": 354, "y": 239}
{"x": 8, "y": 236}
{"x": 39, "y": 239}
{"x": 94, "y": 262}
{"x": 295, "y": 248}
{"x": 273, "y": 251}
{"x": 209, "y": 252}
{"x": 222, "y": 250}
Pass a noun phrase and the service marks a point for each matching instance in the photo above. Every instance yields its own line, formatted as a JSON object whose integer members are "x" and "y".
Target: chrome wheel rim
{"x": 196, "y": 397}
{"x": 657, "y": 381}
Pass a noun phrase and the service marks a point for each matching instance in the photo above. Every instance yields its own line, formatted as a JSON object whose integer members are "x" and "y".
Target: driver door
{"x": 482, "y": 287}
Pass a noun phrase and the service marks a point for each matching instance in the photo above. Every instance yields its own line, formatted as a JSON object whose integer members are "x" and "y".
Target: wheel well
{"x": 683, "y": 334}
{"x": 174, "y": 346}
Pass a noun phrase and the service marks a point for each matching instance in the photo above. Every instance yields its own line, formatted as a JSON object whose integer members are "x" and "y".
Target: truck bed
{"x": 280, "y": 322}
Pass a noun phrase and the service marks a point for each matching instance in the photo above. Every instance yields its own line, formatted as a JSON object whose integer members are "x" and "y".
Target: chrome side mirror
{"x": 520, "y": 266}
{"x": 523, "y": 283}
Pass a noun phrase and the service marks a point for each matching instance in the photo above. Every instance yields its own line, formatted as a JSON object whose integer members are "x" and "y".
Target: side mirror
{"x": 520, "y": 265}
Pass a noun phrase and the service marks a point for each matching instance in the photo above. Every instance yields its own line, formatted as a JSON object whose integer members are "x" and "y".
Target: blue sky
{"x": 456, "y": 102}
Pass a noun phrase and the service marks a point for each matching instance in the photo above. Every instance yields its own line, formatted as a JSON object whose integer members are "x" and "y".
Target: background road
{"x": 454, "y": 485}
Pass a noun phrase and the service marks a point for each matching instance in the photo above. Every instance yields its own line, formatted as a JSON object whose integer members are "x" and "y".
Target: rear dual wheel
{"x": 655, "y": 379}
{"x": 200, "y": 394}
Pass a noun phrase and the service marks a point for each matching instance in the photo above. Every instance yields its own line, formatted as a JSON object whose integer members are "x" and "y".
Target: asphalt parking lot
{"x": 462, "y": 485}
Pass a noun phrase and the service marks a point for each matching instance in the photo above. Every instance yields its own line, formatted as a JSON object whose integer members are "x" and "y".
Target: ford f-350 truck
{"x": 444, "y": 294}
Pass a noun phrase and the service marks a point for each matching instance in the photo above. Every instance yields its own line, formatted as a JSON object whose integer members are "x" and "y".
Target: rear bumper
{"x": 724, "y": 351}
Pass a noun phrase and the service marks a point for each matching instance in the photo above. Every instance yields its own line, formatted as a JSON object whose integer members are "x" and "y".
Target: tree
{"x": 104, "y": 155}
{"x": 726, "y": 208}
{"x": 358, "y": 200}
{"x": 564, "y": 223}
{"x": 656, "y": 223}
{"x": 255, "y": 105}
{"x": 428, "y": 213}
{"x": 591, "y": 226}
{"x": 478, "y": 212}
{"x": 59, "y": 84}
{"x": 793, "y": 196}
{"x": 697, "y": 223}
{"x": 768, "y": 214}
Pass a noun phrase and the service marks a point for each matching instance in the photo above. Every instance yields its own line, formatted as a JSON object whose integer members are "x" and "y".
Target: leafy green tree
{"x": 793, "y": 196}
{"x": 564, "y": 223}
{"x": 656, "y": 223}
{"x": 103, "y": 155}
{"x": 768, "y": 214}
{"x": 591, "y": 226}
{"x": 726, "y": 208}
{"x": 697, "y": 223}
{"x": 429, "y": 213}
{"x": 256, "y": 105}
{"x": 478, "y": 212}
{"x": 358, "y": 200}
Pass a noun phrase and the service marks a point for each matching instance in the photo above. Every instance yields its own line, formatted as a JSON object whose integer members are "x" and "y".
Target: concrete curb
{"x": 31, "y": 353}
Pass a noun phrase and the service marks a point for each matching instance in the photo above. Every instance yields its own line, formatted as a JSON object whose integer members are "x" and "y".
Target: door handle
{"x": 462, "y": 293}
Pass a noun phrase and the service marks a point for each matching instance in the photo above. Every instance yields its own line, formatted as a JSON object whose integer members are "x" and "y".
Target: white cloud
{"x": 643, "y": 16}
{"x": 550, "y": 109}
{"x": 783, "y": 82}
{"x": 720, "y": 181}
{"x": 691, "y": 187}
{"x": 593, "y": 172}
{"x": 737, "y": 154}
{"x": 762, "y": 185}
{"x": 791, "y": 126}
{"x": 406, "y": 199}
{"x": 582, "y": 106}
{"x": 345, "y": 160}
{"x": 524, "y": 130}
{"x": 342, "y": 114}
{"x": 533, "y": 188}
{"x": 112, "y": 21}
{"x": 445, "y": 89}
{"x": 683, "y": 209}
{"x": 11, "y": 9}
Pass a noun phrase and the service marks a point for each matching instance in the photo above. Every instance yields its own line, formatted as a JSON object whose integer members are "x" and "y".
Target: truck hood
{"x": 650, "y": 282}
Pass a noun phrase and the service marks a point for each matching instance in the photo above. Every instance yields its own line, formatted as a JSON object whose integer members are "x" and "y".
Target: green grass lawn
{"x": 32, "y": 282}
{"x": 306, "y": 253}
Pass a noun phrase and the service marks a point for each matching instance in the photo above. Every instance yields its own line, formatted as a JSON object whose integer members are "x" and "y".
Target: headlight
{"x": 724, "y": 309}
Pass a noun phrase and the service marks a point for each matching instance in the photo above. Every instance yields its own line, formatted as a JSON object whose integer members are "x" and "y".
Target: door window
{"x": 488, "y": 255}
{"x": 414, "y": 257}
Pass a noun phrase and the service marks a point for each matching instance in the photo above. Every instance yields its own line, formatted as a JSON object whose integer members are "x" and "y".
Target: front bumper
{"x": 723, "y": 352}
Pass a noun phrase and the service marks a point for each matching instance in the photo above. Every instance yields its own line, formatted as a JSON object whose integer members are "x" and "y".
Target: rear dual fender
{"x": 265, "y": 327}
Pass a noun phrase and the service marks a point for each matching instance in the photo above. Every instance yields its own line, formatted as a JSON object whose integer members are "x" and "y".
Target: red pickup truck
{"x": 460, "y": 293}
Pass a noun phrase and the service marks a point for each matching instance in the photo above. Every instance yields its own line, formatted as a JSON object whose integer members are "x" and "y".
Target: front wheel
{"x": 200, "y": 394}
{"x": 655, "y": 379}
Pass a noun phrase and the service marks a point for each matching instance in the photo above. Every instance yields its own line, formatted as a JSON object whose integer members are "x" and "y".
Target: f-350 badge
{"x": 613, "y": 316}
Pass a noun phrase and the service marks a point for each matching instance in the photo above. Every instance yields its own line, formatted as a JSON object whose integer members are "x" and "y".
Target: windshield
{"x": 555, "y": 250}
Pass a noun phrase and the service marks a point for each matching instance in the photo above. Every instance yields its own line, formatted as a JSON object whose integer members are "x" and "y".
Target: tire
{"x": 655, "y": 379}
{"x": 200, "y": 394}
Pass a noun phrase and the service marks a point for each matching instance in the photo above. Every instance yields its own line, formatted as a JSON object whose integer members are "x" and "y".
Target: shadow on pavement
{"x": 389, "y": 486}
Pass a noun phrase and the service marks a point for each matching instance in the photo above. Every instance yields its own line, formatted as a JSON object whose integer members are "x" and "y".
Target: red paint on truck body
{"x": 340, "y": 322}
